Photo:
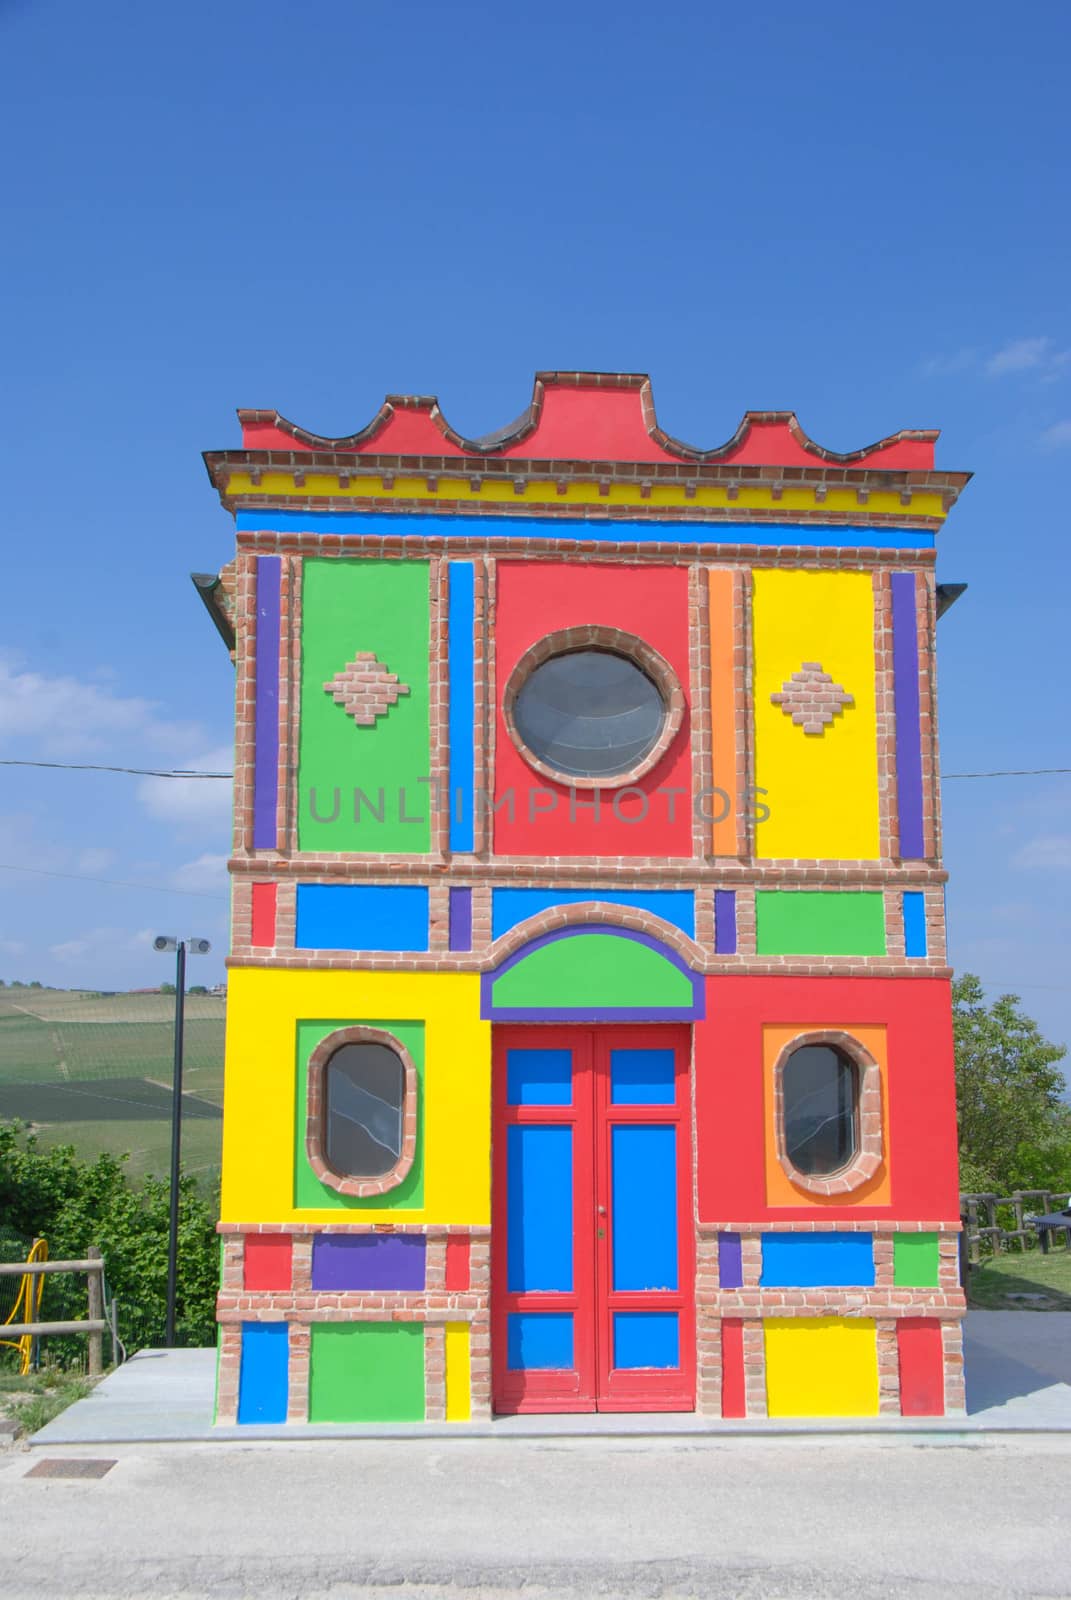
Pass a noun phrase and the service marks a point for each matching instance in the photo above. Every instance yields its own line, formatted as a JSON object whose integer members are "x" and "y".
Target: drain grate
{"x": 69, "y": 1467}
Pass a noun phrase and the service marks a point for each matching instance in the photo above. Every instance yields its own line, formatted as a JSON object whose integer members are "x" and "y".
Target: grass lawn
{"x": 997, "y": 1284}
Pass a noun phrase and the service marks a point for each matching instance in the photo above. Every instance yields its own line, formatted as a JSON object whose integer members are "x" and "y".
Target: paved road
{"x": 474, "y": 1520}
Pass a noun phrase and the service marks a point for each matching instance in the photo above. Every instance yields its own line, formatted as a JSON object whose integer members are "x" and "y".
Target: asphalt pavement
{"x": 482, "y": 1519}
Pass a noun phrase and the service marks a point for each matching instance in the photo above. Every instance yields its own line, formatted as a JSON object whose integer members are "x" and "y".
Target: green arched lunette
{"x": 594, "y": 974}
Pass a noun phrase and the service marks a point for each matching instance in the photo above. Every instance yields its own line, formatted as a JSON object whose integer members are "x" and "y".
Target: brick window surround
{"x": 593, "y": 636}
{"x": 315, "y": 1112}
{"x": 868, "y": 1142}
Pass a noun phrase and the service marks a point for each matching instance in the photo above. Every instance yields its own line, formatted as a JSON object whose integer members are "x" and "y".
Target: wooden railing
{"x": 94, "y": 1326}
{"x": 982, "y": 1223}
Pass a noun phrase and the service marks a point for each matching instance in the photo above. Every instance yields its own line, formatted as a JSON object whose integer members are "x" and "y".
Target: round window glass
{"x": 589, "y": 713}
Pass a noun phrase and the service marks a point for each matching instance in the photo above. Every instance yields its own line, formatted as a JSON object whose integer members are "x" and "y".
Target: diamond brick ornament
{"x": 365, "y": 689}
{"x": 811, "y": 698}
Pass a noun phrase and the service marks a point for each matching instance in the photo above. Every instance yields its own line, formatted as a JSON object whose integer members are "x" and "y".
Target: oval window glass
{"x": 819, "y": 1086}
{"x": 589, "y": 713}
{"x": 364, "y": 1102}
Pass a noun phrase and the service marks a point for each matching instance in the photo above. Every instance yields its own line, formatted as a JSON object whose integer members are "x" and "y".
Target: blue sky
{"x": 854, "y": 213}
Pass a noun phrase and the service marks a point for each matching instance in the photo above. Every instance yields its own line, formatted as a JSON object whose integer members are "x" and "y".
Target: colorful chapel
{"x": 589, "y": 1036}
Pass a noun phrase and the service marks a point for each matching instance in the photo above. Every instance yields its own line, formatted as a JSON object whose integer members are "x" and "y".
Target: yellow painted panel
{"x": 748, "y": 498}
{"x": 821, "y": 1367}
{"x": 458, "y": 1373}
{"x": 264, "y": 1007}
{"x": 779, "y": 1190}
{"x": 821, "y": 788}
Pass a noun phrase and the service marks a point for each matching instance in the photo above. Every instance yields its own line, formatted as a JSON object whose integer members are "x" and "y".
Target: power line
{"x": 184, "y": 772}
{"x": 1015, "y": 772}
{"x": 111, "y": 883}
{"x": 137, "y": 772}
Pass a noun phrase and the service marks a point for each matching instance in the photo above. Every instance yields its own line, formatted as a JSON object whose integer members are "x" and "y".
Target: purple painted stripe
{"x": 461, "y": 919}
{"x": 693, "y": 1013}
{"x": 367, "y": 1262}
{"x": 266, "y": 726}
{"x": 725, "y": 922}
{"x": 730, "y": 1261}
{"x": 908, "y": 730}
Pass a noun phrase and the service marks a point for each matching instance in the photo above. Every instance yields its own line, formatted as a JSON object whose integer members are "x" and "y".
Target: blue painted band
{"x": 357, "y": 916}
{"x": 915, "y": 923}
{"x": 462, "y": 717}
{"x": 817, "y": 1260}
{"x": 263, "y": 1383}
{"x": 489, "y": 1012}
{"x": 602, "y": 530}
{"x": 511, "y": 906}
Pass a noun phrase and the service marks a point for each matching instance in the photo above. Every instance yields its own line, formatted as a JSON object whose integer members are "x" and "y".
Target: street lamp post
{"x": 196, "y": 947}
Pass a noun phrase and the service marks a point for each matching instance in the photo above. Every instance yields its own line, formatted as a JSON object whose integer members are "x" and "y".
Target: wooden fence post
{"x": 96, "y": 1313}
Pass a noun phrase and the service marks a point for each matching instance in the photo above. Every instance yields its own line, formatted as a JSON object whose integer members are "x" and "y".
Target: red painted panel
{"x": 920, "y": 1138}
{"x": 733, "y": 1401}
{"x": 588, "y": 421}
{"x": 590, "y": 424}
{"x": 536, "y": 598}
{"x": 267, "y": 1261}
{"x": 922, "y": 1374}
{"x": 263, "y": 919}
{"x": 457, "y": 1263}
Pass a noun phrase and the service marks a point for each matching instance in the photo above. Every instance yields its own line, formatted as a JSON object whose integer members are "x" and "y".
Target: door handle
{"x": 602, "y": 1211}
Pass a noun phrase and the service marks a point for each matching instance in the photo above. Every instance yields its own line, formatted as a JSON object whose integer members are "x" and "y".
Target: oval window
{"x": 820, "y": 1088}
{"x": 364, "y": 1110}
{"x": 589, "y": 713}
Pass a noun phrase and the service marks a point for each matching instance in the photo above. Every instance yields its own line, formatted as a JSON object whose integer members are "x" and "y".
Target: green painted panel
{"x": 915, "y": 1260}
{"x": 593, "y": 969}
{"x": 346, "y": 607}
{"x": 366, "y": 1372}
{"x": 816, "y": 923}
{"x": 308, "y": 1190}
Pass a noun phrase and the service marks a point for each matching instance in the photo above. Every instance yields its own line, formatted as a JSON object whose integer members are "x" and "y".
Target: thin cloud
{"x": 206, "y": 873}
{"x": 1036, "y": 355}
{"x": 203, "y": 801}
{"x": 1058, "y": 437}
{"x": 57, "y": 718}
{"x": 1050, "y": 851}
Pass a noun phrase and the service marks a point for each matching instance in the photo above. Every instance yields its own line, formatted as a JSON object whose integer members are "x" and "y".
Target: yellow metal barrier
{"x": 28, "y": 1301}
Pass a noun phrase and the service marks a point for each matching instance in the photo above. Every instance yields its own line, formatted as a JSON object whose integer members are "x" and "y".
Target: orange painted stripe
{"x": 725, "y": 836}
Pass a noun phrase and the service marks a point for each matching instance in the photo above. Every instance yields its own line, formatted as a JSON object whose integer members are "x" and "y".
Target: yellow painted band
{"x": 264, "y": 1008}
{"x": 747, "y": 498}
{"x": 821, "y": 1367}
{"x": 821, "y": 788}
{"x": 458, "y": 1373}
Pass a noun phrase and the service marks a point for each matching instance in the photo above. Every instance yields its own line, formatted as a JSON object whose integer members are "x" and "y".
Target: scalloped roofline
{"x": 585, "y": 416}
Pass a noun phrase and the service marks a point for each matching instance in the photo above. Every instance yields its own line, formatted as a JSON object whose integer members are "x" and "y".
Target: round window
{"x": 589, "y": 713}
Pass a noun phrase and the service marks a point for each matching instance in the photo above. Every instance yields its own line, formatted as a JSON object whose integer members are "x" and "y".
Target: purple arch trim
{"x": 489, "y": 1012}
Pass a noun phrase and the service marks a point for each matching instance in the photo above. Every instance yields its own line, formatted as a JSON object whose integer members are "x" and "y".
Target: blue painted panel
{"x": 425, "y": 525}
{"x": 539, "y": 1204}
{"x": 539, "y": 1077}
{"x": 262, "y": 1380}
{"x": 815, "y": 1260}
{"x": 642, "y": 1077}
{"x": 539, "y": 1341}
{"x": 644, "y": 1188}
{"x": 647, "y": 1339}
{"x": 462, "y": 702}
{"x": 347, "y": 916}
{"x": 510, "y": 906}
{"x": 915, "y": 922}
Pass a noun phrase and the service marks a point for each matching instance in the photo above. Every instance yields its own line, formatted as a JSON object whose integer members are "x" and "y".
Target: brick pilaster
{"x": 297, "y": 1402}
{"x": 754, "y": 1369}
{"x": 888, "y": 1368}
{"x": 434, "y": 1372}
{"x": 230, "y": 1362}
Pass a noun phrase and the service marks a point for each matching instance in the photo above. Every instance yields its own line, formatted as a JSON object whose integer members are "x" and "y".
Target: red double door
{"x": 592, "y": 1243}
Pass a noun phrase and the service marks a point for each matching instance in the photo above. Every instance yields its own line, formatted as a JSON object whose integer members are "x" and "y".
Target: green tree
{"x": 75, "y": 1204}
{"x": 1014, "y": 1126}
